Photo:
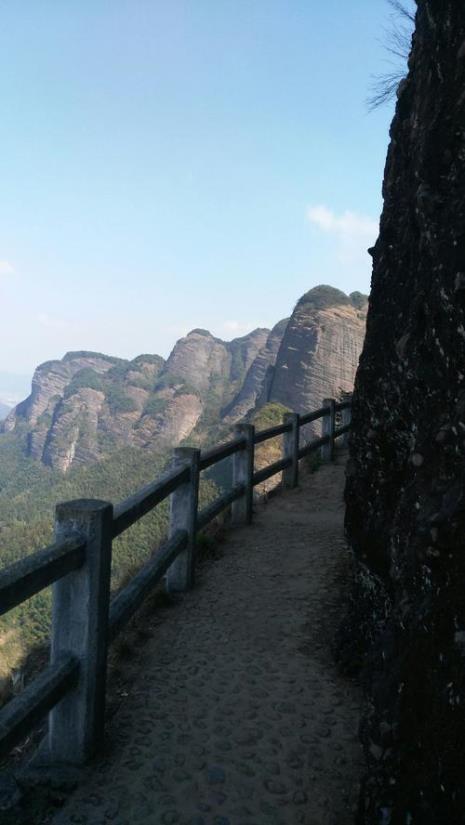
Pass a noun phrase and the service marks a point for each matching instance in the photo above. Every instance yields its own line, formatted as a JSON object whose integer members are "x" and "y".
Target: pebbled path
{"x": 238, "y": 715}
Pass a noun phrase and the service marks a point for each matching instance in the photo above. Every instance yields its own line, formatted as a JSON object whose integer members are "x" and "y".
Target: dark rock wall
{"x": 406, "y": 477}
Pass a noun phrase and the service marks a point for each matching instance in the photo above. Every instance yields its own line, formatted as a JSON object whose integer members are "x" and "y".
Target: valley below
{"x": 97, "y": 426}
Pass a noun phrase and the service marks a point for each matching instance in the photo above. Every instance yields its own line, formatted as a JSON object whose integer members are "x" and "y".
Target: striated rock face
{"x": 83, "y": 406}
{"x": 258, "y": 378}
{"x": 201, "y": 359}
{"x": 87, "y": 404}
{"x": 319, "y": 352}
{"x": 175, "y": 423}
{"x": 406, "y": 480}
{"x": 49, "y": 382}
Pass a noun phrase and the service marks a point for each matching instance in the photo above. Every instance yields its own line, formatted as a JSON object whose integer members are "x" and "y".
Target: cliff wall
{"x": 320, "y": 349}
{"x": 406, "y": 479}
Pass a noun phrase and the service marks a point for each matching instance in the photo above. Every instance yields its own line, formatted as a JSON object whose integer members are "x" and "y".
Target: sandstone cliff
{"x": 405, "y": 489}
{"x": 319, "y": 352}
{"x": 202, "y": 360}
{"x": 258, "y": 378}
{"x": 86, "y": 405}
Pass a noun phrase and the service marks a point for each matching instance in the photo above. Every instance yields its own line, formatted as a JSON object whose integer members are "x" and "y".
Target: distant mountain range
{"x": 87, "y": 405}
{"x": 4, "y": 410}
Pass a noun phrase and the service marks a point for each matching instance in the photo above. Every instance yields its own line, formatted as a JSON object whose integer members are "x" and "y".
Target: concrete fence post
{"x": 243, "y": 470}
{"x": 346, "y": 418}
{"x": 184, "y": 501}
{"x": 80, "y": 627}
{"x": 291, "y": 450}
{"x": 329, "y": 423}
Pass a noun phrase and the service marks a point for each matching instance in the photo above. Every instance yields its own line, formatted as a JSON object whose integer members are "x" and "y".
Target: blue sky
{"x": 169, "y": 164}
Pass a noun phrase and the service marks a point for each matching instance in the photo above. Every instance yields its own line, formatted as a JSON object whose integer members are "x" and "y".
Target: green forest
{"x": 29, "y": 492}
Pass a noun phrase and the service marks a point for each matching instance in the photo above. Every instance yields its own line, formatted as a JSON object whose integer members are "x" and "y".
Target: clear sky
{"x": 170, "y": 164}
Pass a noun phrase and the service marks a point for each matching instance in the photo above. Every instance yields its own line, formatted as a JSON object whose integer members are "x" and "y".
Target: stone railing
{"x": 71, "y": 690}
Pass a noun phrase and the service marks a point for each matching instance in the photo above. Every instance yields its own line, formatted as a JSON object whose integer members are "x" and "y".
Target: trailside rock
{"x": 320, "y": 349}
{"x": 406, "y": 479}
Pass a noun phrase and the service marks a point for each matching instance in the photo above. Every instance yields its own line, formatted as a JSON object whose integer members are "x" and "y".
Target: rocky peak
{"x": 199, "y": 358}
{"x": 319, "y": 352}
{"x": 258, "y": 378}
{"x": 49, "y": 382}
{"x": 86, "y": 405}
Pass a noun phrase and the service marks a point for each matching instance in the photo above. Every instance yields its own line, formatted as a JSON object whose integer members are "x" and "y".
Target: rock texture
{"x": 83, "y": 406}
{"x": 406, "y": 485}
{"x": 202, "y": 360}
{"x": 257, "y": 382}
{"x": 87, "y": 405}
{"x": 319, "y": 352}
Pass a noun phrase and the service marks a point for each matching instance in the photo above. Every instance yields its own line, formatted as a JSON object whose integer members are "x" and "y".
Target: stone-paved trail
{"x": 239, "y": 716}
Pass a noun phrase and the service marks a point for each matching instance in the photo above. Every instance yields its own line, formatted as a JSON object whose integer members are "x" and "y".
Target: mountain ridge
{"x": 86, "y": 405}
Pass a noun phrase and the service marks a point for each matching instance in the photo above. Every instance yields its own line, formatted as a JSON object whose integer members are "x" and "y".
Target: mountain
{"x": 256, "y": 382}
{"x": 320, "y": 349}
{"x": 96, "y": 426}
{"x": 86, "y": 406}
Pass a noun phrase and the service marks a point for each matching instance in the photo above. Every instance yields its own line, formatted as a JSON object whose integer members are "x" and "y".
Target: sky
{"x": 171, "y": 164}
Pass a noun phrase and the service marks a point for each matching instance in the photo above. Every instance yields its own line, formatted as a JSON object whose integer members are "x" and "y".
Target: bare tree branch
{"x": 402, "y": 10}
{"x": 397, "y": 42}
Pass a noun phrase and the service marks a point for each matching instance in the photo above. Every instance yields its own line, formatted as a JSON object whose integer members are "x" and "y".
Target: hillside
{"x": 99, "y": 426}
{"x": 87, "y": 405}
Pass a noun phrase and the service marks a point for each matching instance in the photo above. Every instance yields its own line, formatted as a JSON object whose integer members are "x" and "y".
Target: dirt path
{"x": 240, "y": 716}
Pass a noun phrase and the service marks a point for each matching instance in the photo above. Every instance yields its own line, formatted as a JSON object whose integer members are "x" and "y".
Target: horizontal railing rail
{"x": 222, "y": 451}
{"x": 85, "y": 620}
{"x": 272, "y": 432}
{"x": 28, "y": 576}
{"x": 40, "y": 696}
{"x": 314, "y": 445}
{"x": 307, "y": 418}
{"x": 217, "y": 506}
{"x": 129, "y": 598}
{"x": 133, "y": 508}
{"x": 271, "y": 470}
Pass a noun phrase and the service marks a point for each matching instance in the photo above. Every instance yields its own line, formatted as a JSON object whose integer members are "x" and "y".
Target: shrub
{"x": 85, "y": 378}
{"x": 119, "y": 402}
{"x": 155, "y": 405}
{"x": 358, "y": 299}
{"x": 323, "y": 296}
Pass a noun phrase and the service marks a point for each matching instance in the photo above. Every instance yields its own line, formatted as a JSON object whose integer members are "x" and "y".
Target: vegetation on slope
{"x": 29, "y": 492}
{"x": 323, "y": 296}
